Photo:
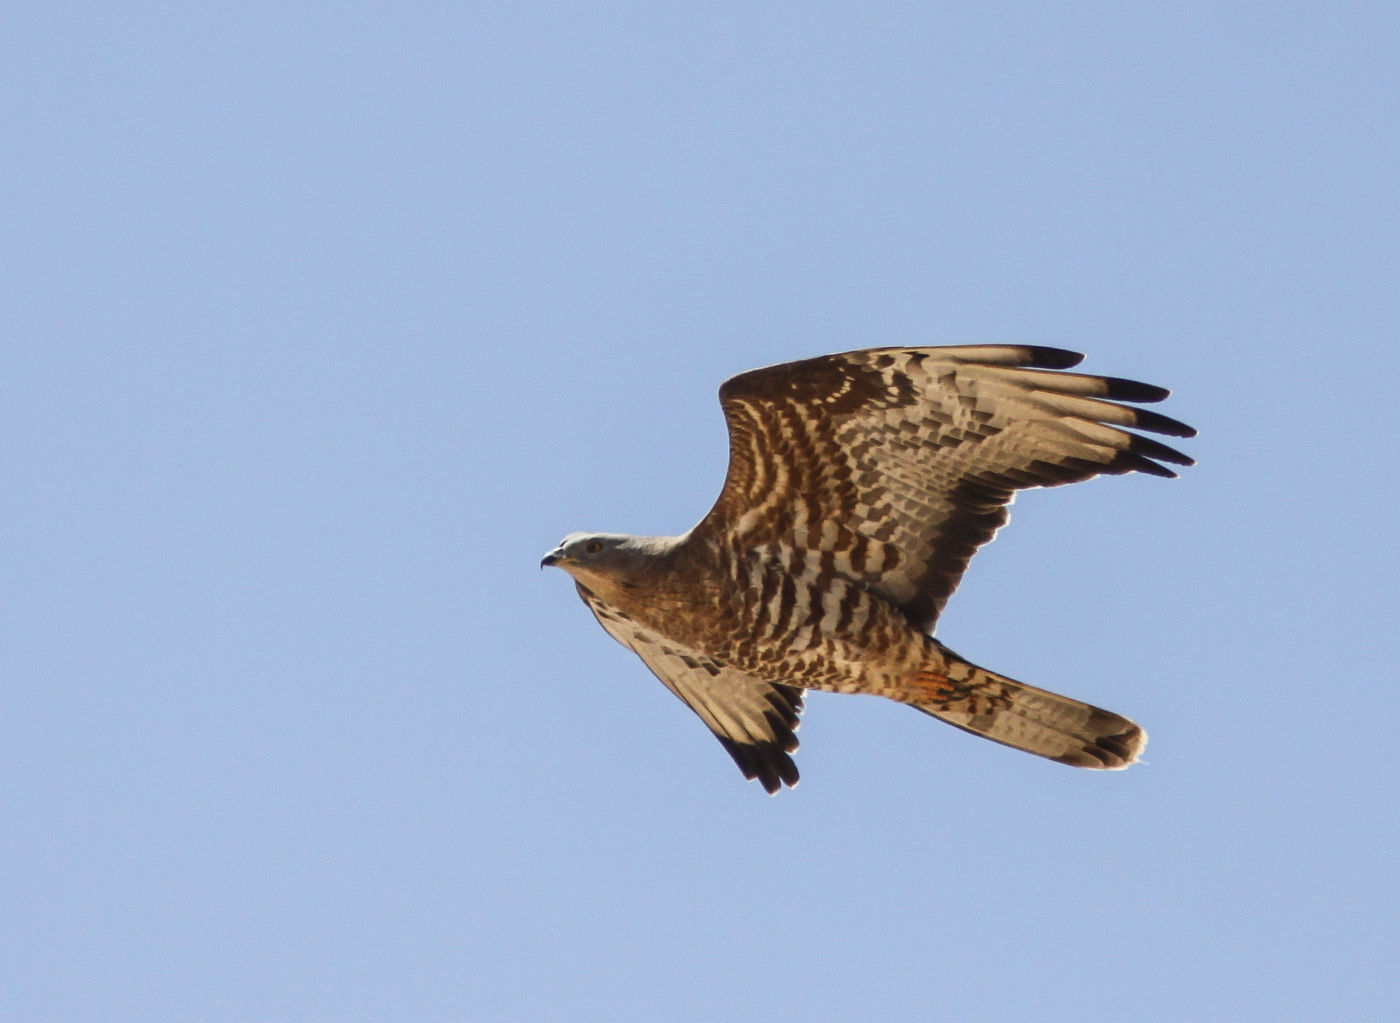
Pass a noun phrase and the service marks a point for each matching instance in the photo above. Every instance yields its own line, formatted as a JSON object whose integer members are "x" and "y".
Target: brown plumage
{"x": 859, "y": 487}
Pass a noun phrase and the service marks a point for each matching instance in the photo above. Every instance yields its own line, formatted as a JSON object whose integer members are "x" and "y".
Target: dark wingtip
{"x": 1145, "y": 455}
{"x": 765, "y": 762}
{"x": 1120, "y": 389}
{"x": 1156, "y": 449}
{"x": 1151, "y": 468}
{"x": 775, "y": 769}
{"x": 1053, "y": 358}
{"x": 1158, "y": 423}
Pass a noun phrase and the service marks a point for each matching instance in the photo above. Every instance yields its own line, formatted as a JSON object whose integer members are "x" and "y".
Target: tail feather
{"x": 1035, "y": 720}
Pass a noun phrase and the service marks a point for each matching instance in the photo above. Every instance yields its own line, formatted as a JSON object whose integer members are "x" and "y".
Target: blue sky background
{"x": 321, "y": 323}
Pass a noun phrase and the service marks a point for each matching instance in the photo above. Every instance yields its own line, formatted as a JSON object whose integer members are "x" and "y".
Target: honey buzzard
{"x": 859, "y": 487}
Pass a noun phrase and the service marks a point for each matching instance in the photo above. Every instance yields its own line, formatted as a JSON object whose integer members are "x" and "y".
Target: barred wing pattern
{"x": 753, "y": 719}
{"x": 896, "y": 464}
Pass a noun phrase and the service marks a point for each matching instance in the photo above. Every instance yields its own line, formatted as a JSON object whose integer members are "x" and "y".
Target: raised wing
{"x": 754, "y": 720}
{"x": 894, "y": 465}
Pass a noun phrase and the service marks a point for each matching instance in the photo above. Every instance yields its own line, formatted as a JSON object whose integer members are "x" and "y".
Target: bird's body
{"x": 859, "y": 487}
{"x": 756, "y": 613}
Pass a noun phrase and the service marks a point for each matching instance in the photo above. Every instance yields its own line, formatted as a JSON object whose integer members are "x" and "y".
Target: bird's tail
{"x": 1015, "y": 714}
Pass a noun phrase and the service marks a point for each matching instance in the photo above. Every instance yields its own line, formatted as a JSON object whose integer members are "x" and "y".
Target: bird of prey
{"x": 859, "y": 487}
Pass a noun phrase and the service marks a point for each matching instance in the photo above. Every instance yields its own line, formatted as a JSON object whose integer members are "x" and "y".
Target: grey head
{"x": 594, "y": 558}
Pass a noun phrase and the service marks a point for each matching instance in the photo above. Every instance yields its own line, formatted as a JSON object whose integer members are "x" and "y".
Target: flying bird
{"x": 859, "y": 487}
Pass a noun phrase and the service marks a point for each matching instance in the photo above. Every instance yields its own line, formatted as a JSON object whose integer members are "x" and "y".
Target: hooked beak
{"x": 552, "y": 558}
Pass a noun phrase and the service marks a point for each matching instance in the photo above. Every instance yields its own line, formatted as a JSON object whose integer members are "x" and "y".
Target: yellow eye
{"x": 593, "y": 547}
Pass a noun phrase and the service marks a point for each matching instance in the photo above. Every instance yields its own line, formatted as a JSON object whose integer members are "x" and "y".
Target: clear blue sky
{"x": 322, "y": 323}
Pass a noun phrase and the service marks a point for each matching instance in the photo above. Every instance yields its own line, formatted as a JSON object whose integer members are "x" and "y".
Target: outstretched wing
{"x": 893, "y": 465}
{"x": 754, "y": 720}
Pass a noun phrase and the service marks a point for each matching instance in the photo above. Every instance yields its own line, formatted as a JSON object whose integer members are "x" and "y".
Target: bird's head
{"x": 606, "y": 559}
